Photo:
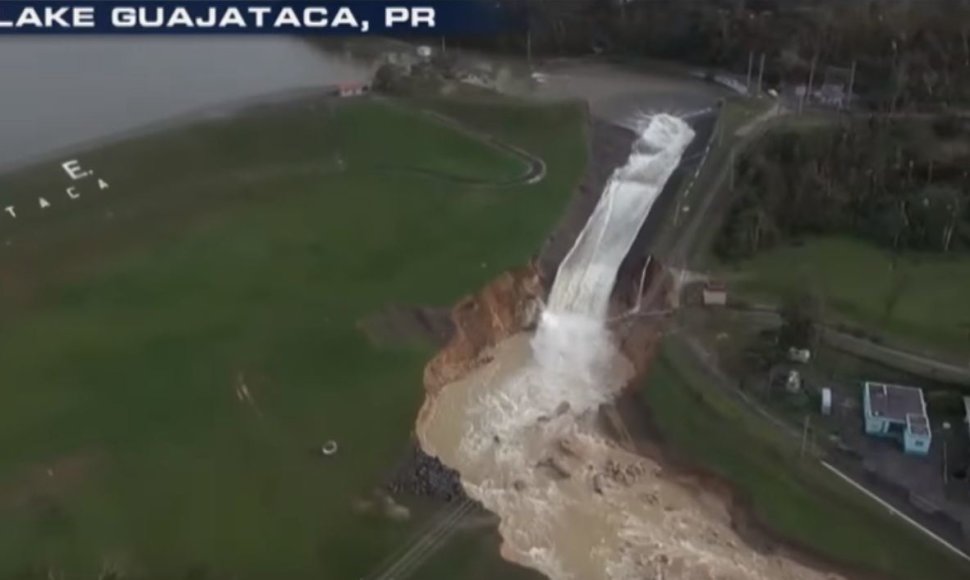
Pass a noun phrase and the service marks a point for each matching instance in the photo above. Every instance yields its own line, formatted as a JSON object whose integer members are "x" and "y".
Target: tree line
{"x": 901, "y": 183}
{"x": 903, "y": 53}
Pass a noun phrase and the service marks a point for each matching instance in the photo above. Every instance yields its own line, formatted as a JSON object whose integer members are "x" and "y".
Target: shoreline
{"x": 216, "y": 112}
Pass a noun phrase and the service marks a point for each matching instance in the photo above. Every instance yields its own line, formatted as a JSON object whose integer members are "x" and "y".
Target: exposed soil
{"x": 506, "y": 306}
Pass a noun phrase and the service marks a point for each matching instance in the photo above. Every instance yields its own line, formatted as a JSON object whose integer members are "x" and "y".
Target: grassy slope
{"x": 794, "y": 498}
{"x": 858, "y": 281}
{"x": 124, "y": 333}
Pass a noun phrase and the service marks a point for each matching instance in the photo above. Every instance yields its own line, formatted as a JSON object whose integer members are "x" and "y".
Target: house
{"x": 352, "y": 89}
{"x": 828, "y": 94}
{"x": 715, "y": 294}
{"x": 899, "y": 412}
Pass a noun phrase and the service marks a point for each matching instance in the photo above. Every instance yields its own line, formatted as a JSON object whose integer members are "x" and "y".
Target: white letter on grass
{"x": 73, "y": 169}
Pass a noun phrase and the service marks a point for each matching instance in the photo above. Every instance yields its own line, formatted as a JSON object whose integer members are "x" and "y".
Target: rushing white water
{"x": 573, "y": 349}
{"x": 520, "y": 432}
{"x": 574, "y": 365}
{"x": 586, "y": 276}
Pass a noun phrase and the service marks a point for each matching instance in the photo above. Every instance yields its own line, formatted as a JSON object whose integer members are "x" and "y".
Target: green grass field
{"x": 921, "y": 298}
{"x": 795, "y": 498}
{"x": 239, "y": 247}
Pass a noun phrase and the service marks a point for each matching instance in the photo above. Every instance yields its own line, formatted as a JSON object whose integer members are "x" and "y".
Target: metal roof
{"x": 918, "y": 424}
{"x": 895, "y": 402}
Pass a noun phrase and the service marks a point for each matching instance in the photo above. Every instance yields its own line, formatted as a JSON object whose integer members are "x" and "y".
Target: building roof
{"x": 895, "y": 402}
{"x": 917, "y": 424}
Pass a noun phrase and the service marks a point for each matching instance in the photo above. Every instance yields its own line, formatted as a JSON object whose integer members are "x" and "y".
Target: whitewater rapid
{"x": 522, "y": 431}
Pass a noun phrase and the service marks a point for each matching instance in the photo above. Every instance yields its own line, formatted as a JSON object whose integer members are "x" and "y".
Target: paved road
{"x": 679, "y": 257}
{"x": 918, "y": 364}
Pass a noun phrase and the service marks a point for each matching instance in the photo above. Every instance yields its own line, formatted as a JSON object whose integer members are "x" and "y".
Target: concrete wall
{"x": 916, "y": 444}
{"x": 877, "y": 426}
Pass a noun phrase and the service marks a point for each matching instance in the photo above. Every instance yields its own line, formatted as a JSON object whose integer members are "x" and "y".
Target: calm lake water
{"x": 59, "y": 93}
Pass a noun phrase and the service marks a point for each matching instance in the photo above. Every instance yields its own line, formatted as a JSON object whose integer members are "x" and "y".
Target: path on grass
{"x": 534, "y": 172}
{"x": 534, "y": 167}
{"x": 925, "y": 366}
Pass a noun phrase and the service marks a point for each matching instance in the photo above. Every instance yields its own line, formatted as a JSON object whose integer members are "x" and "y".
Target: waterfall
{"x": 586, "y": 276}
{"x": 500, "y": 433}
{"x": 572, "y": 340}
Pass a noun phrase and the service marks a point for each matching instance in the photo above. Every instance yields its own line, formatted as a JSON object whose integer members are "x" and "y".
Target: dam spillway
{"x": 522, "y": 431}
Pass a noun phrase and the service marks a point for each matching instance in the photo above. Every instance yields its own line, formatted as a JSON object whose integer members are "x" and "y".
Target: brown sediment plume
{"x": 666, "y": 496}
{"x": 507, "y": 305}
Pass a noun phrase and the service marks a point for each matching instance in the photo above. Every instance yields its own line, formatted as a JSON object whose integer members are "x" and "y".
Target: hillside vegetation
{"x": 244, "y": 252}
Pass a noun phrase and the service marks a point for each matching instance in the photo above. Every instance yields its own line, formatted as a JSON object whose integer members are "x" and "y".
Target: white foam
{"x": 510, "y": 425}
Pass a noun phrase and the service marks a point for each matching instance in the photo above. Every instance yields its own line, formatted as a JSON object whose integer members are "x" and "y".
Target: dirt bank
{"x": 649, "y": 442}
{"x": 507, "y": 305}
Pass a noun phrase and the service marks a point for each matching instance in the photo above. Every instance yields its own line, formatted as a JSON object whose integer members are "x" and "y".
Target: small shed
{"x": 353, "y": 89}
{"x": 917, "y": 436}
{"x": 715, "y": 293}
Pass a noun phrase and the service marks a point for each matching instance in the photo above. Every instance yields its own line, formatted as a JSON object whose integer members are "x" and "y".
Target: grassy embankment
{"x": 920, "y": 298}
{"x": 239, "y": 247}
{"x": 794, "y": 498}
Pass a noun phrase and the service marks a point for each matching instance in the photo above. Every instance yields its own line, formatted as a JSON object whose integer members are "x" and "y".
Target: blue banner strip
{"x": 354, "y": 17}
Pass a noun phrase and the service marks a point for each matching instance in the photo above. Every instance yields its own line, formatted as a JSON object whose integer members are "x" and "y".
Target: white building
{"x": 353, "y": 89}
{"x": 715, "y": 294}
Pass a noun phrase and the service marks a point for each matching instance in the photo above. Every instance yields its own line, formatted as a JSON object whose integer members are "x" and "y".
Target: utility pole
{"x": 811, "y": 81}
{"x": 946, "y": 476}
{"x": 750, "y": 70}
{"x": 761, "y": 72}
{"x": 848, "y": 96}
{"x": 804, "y": 436}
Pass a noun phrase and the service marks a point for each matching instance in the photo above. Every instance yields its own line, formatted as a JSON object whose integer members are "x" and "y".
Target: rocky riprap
{"x": 425, "y": 476}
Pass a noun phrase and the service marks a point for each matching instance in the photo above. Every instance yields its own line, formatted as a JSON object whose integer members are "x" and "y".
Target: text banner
{"x": 355, "y": 17}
